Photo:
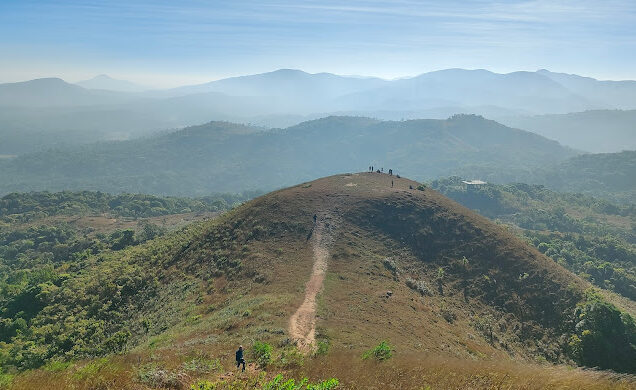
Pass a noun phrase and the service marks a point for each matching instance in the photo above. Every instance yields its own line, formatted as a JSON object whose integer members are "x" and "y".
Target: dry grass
{"x": 410, "y": 371}
{"x": 419, "y": 371}
{"x": 354, "y": 312}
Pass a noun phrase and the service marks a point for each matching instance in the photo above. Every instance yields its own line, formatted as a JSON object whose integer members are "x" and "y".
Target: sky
{"x": 166, "y": 43}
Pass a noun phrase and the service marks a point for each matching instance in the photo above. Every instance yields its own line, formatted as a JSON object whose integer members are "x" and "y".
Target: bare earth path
{"x": 302, "y": 325}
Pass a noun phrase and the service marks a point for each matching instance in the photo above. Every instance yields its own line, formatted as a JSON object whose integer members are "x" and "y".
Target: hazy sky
{"x": 165, "y": 43}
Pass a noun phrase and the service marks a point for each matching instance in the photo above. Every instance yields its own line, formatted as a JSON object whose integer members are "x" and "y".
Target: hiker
{"x": 315, "y": 218}
{"x": 239, "y": 358}
{"x": 382, "y": 170}
{"x": 391, "y": 183}
{"x": 370, "y": 168}
{"x": 390, "y": 172}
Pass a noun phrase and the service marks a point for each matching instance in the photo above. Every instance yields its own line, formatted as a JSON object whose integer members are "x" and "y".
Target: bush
{"x": 419, "y": 286}
{"x": 322, "y": 348}
{"x": 290, "y": 358}
{"x": 381, "y": 352}
{"x": 603, "y": 336}
{"x": 262, "y": 353}
{"x": 154, "y": 376}
{"x": 277, "y": 383}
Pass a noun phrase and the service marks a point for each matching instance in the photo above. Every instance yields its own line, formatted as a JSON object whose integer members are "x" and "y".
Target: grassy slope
{"x": 238, "y": 279}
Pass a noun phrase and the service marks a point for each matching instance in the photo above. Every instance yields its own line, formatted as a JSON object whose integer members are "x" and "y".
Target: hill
{"x": 383, "y": 261}
{"x": 221, "y": 156}
{"x": 597, "y": 131}
{"x": 54, "y": 92}
{"x": 589, "y": 236}
{"x": 609, "y": 175}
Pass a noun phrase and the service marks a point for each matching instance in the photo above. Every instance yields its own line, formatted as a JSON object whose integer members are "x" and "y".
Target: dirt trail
{"x": 302, "y": 325}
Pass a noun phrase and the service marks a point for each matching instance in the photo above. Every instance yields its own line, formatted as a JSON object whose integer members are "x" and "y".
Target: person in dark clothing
{"x": 391, "y": 183}
{"x": 315, "y": 218}
{"x": 239, "y": 358}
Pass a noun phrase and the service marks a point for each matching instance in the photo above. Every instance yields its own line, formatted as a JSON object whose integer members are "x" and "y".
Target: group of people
{"x": 381, "y": 170}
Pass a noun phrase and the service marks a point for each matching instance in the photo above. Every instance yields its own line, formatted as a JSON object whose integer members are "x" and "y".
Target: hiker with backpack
{"x": 239, "y": 358}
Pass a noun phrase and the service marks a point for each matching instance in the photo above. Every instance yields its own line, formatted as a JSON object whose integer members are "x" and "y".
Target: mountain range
{"x": 42, "y": 113}
{"x": 222, "y": 156}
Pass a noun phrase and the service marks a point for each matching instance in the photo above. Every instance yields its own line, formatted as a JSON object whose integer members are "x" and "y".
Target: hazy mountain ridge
{"x": 44, "y": 108}
{"x": 222, "y": 156}
{"x": 106, "y": 82}
{"x": 597, "y": 131}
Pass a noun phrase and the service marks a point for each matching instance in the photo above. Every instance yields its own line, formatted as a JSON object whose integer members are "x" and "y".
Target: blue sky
{"x": 166, "y": 43}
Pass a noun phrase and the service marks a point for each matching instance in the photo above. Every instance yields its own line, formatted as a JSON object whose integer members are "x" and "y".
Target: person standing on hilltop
{"x": 239, "y": 358}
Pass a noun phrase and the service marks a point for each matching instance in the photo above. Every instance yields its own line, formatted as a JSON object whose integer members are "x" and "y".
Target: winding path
{"x": 302, "y": 324}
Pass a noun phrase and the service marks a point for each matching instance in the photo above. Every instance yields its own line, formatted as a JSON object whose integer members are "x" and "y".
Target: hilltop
{"x": 228, "y": 157}
{"x": 386, "y": 259}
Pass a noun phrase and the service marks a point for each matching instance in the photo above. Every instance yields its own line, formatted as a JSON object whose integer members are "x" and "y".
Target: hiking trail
{"x": 302, "y": 324}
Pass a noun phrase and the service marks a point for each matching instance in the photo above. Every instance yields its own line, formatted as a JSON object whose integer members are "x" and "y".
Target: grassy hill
{"x": 221, "y": 156}
{"x": 592, "y": 237}
{"x": 460, "y": 300}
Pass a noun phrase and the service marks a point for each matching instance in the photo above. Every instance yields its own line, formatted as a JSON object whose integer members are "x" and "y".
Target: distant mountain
{"x": 598, "y": 131}
{"x": 285, "y": 82}
{"x": 222, "y": 156}
{"x": 531, "y": 92}
{"x": 286, "y": 97}
{"x": 611, "y": 94}
{"x": 106, "y": 82}
{"x": 54, "y": 92}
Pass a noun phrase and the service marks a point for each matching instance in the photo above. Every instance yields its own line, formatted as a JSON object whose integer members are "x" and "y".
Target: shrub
{"x": 204, "y": 385}
{"x": 154, "y": 376}
{"x": 202, "y": 365}
{"x": 279, "y": 383}
{"x": 329, "y": 384}
{"x": 419, "y": 286}
{"x": 291, "y": 357}
{"x": 603, "y": 336}
{"x": 262, "y": 353}
{"x": 381, "y": 352}
{"x": 322, "y": 348}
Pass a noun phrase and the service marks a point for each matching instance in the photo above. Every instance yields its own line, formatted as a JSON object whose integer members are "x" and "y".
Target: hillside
{"x": 222, "y": 157}
{"x": 384, "y": 261}
{"x": 589, "y": 236}
{"x": 597, "y": 131}
{"x": 609, "y": 175}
